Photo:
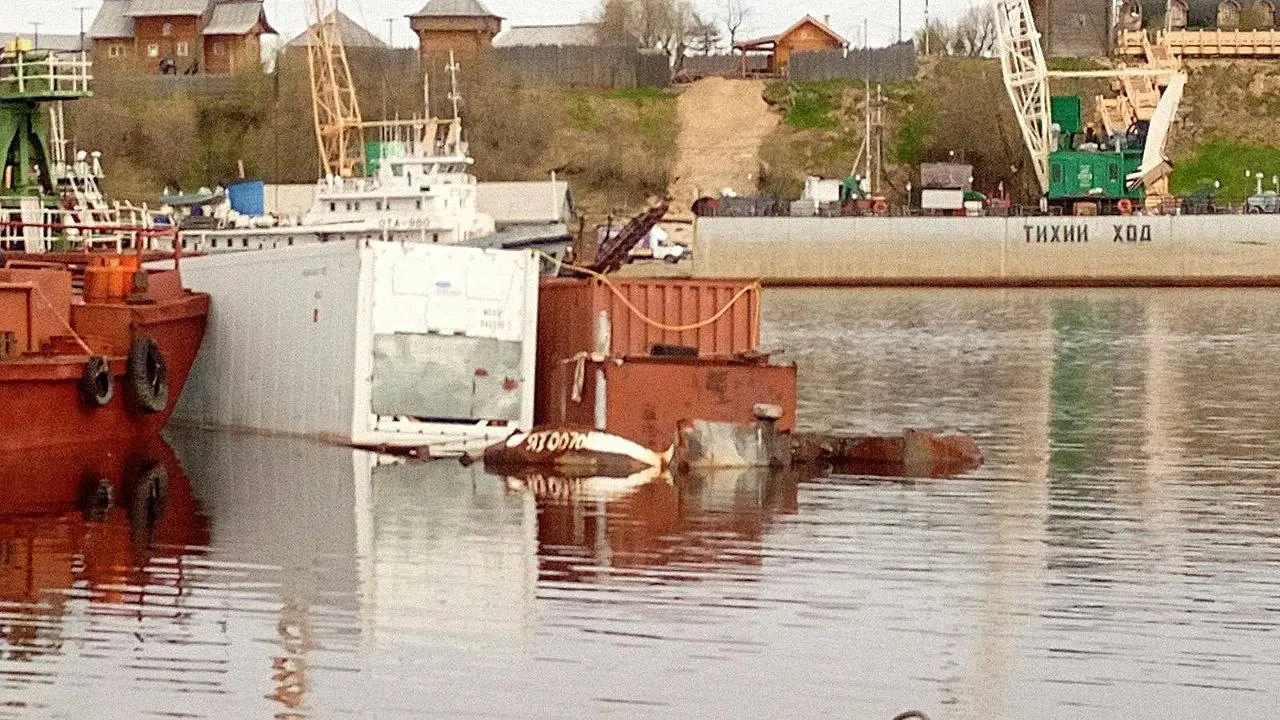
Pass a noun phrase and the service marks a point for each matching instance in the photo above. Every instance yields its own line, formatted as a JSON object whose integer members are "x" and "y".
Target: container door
{"x": 448, "y": 333}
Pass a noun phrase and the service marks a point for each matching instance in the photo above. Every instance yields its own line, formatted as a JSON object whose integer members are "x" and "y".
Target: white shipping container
{"x": 367, "y": 343}
{"x": 942, "y": 199}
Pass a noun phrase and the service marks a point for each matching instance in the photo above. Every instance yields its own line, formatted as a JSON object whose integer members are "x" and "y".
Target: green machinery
{"x": 851, "y": 189}
{"x": 1091, "y": 175}
{"x": 29, "y": 79}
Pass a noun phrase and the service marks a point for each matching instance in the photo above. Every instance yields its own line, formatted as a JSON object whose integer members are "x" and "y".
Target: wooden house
{"x": 179, "y": 37}
{"x": 464, "y": 27}
{"x": 807, "y": 35}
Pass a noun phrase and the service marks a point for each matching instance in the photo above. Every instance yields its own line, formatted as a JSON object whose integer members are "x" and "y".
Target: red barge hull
{"x": 41, "y": 404}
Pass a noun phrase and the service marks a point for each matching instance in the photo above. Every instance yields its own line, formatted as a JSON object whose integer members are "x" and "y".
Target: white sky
{"x": 288, "y": 16}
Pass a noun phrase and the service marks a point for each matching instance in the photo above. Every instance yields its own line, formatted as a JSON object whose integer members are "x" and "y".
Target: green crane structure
{"x": 29, "y": 79}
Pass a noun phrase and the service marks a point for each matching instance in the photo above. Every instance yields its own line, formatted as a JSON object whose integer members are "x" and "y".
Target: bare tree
{"x": 735, "y": 15}
{"x": 972, "y": 34}
{"x": 975, "y": 32}
{"x": 667, "y": 25}
{"x": 705, "y": 38}
{"x": 614, "y": 22}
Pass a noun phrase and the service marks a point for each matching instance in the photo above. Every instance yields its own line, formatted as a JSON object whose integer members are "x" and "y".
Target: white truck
{"x": 657, "y": 245}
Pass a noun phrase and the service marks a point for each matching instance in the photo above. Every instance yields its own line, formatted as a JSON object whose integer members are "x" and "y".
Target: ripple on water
{"x": 1115, "y": 557}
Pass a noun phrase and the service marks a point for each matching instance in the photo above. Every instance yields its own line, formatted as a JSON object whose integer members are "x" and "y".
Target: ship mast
{"x": 333, "y": 96}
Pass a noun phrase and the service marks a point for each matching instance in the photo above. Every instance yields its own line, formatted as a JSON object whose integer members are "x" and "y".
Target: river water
{"x": 1117, "y": 556}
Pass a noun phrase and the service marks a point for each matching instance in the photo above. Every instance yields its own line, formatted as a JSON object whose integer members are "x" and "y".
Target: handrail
{"x": 62, "y": 74}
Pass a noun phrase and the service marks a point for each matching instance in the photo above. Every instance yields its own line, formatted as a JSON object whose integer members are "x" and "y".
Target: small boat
{"x": 571, "y": 452}
{"x": 105, "y": 362}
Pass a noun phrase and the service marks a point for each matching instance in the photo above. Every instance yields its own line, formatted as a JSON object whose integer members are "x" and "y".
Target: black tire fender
{"x": 148, "y": 496}
{"x": 97, "y": 387}
{"x": 148, "y": 375}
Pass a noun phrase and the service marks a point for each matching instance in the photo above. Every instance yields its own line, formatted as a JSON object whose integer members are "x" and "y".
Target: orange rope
{"x": 83, "y": 345}
{"x": 645, "y": 318}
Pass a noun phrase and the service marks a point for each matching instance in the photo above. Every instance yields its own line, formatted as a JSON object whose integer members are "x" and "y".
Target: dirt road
{"x": 722, "y": 125}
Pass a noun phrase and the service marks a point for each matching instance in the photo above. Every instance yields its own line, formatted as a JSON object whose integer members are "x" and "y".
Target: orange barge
{"x": 637, "y": 356}
{"x": 106, "y": 364}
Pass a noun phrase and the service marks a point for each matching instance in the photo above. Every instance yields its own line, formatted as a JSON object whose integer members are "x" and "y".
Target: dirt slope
{"x": 723, "y": 123}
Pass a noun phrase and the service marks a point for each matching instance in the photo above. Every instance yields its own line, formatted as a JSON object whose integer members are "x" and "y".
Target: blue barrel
{"x": 248, "y": 197}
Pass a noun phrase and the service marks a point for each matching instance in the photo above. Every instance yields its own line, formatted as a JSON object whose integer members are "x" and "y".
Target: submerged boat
{"x": 104, "y": 363}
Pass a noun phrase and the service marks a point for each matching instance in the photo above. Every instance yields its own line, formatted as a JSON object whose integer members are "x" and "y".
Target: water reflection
{"x": 674, "y": 529}
{"x": 94, "y": 546}
{"x": 1115, "y": 556}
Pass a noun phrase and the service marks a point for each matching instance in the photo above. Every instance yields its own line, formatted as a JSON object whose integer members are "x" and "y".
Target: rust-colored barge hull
{"x": 637, "y": 356}
{"x": 43, "y": 405}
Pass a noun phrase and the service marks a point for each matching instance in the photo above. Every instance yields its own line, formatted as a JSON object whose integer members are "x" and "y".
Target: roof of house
{"x": 806, "y": 20}
{"x": 237, "y": 18}
{"x": 166, "y": 8}
{"x": 234, "y": 17}
{"x": 112, "y": 22}
{"x": 64, "y": 43}
{"x": 352, "y": 33}
{"x": 549, "y": 35}
{"x": 454, "y": 8}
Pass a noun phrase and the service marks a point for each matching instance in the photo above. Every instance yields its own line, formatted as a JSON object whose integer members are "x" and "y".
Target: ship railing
{"x": 124, "y": 239}
{"x": 51, "y": 74}
{"x": 119, "y": 230}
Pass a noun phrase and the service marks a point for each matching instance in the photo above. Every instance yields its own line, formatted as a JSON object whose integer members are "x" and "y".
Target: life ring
{"x": 148, "y": 375}
{"x": 97, "y": 387}
{"x": 1125, "y": 206}
{"x": 880, "y": 207}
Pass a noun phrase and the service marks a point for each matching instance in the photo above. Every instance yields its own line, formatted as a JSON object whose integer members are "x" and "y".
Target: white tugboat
{"x": 412, "y": 184}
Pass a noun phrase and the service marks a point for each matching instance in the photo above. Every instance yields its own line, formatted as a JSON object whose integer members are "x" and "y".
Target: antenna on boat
{"x": 454, "y": 96}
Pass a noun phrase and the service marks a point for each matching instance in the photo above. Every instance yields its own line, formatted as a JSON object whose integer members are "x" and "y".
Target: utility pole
{"x": 899, "y": 20}
{"x": 391, "y": 32}
{"x": 35, "y": 41}
{"x": 866, "y": 66}
{"x": 926, "y": 27}
{"x": 80, "y": 9}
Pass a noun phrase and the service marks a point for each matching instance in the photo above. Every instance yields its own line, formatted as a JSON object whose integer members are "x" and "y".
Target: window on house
{"x": 182, "y": 49}
{"x": 1114, "y": 172}
{"x": 166, "y": 30}
{"x": 1057, "y": 173}
{"x": 220, "y": 48}
{"x": 153, "y": 50}
{"x": 115, "y": 50}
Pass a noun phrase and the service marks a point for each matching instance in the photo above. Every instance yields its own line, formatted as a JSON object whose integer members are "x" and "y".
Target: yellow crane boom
{"x": 333, "y": 96}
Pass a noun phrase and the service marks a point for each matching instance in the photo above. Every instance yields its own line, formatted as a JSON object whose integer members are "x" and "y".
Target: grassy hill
{"x": 614, "y": 148}
{"x": 959, "y": 105}
{"x": 617, "y": 149}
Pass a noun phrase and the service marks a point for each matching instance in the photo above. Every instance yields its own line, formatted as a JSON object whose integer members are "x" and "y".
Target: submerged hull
{"x": 42, "y": 405}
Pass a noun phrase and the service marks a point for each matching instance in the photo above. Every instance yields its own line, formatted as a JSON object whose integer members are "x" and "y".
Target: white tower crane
{"x": 1026, "y": 77}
